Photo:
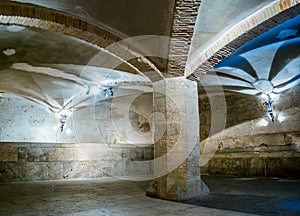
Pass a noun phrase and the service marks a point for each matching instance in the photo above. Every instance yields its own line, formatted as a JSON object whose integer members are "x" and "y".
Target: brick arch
{"x": 242, "y": 33}
{"x": 52, "y": 20}
{"x": 28, "y": 15}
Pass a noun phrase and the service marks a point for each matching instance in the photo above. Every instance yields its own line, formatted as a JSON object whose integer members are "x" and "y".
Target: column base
{"x": 197, "y": 189}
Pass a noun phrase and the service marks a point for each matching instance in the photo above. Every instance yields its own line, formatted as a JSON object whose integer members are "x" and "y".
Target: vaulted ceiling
{"x": 269, "y": 64}
{"x": 54, "y": 52}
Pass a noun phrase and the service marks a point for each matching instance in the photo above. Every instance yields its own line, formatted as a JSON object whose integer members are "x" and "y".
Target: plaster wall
{"x": 124, "y": 120}
{"x": 252, "y": 145}
{"x": 97, "y": 141}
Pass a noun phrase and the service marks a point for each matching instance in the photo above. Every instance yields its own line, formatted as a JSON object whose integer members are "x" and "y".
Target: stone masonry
{"x": 251, "y": 145}
{"x": 57, "y": 161}
{"x": 176, "y": 137}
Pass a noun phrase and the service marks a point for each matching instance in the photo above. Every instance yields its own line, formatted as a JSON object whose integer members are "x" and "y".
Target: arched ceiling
{"x": 53, "y": 69}
{"x": 269, "y": 64}
{"x": 53, "y": 52}
{"x": 235, "y": 31}
{"x": 224, "y": 15}
{"x": 123, "y": 18}
{"x": 244, "y": 51}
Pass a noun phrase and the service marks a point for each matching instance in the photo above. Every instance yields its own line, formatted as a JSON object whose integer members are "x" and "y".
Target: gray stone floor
{"x": 110, "y": 196}
{"x": 91, "y": 197}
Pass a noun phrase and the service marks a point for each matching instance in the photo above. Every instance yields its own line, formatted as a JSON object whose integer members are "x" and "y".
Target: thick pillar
{"x": 176, "y": 138}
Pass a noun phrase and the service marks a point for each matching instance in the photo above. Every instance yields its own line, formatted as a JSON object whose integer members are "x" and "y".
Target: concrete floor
{"x": 110, "y": 196}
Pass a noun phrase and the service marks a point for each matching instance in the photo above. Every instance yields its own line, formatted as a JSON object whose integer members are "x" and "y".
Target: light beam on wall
{"x": 68, "y": 131}
{"x": 280, "y": 118}
{"x": 262, "y": 123}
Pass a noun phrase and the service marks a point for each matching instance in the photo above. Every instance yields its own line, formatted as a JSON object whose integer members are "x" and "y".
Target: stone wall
{"x": 252, "y": 145}
{"x": 53, "y": 161}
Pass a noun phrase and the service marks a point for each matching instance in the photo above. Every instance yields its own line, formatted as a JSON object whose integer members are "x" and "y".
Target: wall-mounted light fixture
{"x": 108, "y": 92}
{"x": 96, "y": 90}
{"x": 9, "y": 52}
{"x": 63, "y": 115}
{"x": 1, "y": 96}
{"x": 269, "y": 106}
{"x": 262, "y": 123}
{"x": 92, "y": 89}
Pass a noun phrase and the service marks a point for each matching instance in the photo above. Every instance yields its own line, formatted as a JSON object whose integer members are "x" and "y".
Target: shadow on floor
{"x": 252, "y": 195}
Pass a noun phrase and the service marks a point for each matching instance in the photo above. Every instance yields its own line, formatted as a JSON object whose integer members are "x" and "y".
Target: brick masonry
{"x": 49, "y": 19}
{"x": 185, "y": 15}
{"x": 13, "y": 13}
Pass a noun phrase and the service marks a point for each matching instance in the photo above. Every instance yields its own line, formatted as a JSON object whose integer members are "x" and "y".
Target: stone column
{"x": 176, "y": 141}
